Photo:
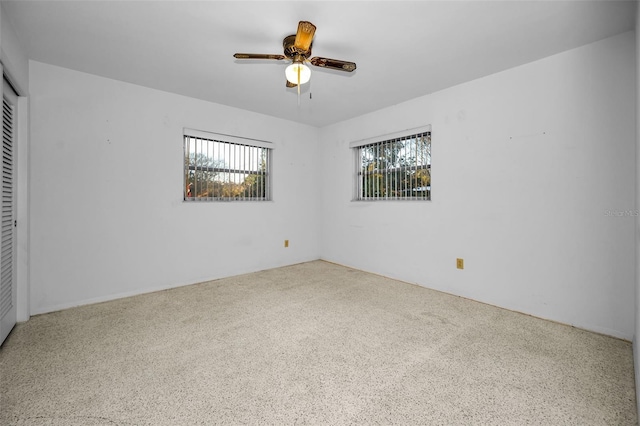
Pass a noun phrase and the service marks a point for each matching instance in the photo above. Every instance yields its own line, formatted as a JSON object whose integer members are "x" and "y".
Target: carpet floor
{"x": 309, "y": 344}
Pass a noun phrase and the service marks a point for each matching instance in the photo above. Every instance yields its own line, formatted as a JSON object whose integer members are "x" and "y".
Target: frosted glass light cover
{"x": 292, "y": 73}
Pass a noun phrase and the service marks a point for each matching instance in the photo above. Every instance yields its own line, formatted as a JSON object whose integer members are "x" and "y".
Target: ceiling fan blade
{"x": 290, "y": 84}
{"x": 334, "y": 64}
{"x": 257, "y": 56}
{"x": 304, "y": 36}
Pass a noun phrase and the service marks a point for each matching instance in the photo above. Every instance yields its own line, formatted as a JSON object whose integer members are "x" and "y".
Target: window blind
{"x": 225, "y": 168}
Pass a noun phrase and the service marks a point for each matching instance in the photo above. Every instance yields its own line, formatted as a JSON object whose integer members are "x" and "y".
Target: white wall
{"x": 526, "y": 163}
{"x": 107, "y": 216}
{"x": 12, "y": 55}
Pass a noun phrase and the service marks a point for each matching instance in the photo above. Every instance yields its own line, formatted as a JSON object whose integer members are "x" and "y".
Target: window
{"x": 225, "y": 168}
{"x": 397, "y": 168}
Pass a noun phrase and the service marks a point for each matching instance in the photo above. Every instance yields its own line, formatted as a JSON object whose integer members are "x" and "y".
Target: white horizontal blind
{"x": 216, "y": 169}
{"x": 395, "y": 169}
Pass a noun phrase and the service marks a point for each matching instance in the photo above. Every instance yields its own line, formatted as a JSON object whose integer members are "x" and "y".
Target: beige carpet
{"x": 316, "y": 344}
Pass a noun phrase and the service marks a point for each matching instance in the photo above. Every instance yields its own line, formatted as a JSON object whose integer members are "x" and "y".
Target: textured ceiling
{"x": 402, "y": 49}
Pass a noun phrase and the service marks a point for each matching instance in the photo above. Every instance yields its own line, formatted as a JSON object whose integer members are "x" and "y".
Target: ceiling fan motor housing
{"x": 290, "y": 51}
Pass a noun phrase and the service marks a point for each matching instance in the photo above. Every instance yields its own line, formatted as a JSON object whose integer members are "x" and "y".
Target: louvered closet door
{"x": 7, "y": 212}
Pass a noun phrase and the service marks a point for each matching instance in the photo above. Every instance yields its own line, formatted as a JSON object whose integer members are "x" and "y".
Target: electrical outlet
{"x": 460, "y": 263}
{"x": 286, "y": 243}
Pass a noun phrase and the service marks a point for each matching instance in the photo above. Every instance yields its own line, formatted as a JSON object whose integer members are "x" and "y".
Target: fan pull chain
{"x": 298, "y": 85}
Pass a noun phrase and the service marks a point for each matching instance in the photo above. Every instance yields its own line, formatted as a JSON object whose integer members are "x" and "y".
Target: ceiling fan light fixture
{"x": 292, "y": 73}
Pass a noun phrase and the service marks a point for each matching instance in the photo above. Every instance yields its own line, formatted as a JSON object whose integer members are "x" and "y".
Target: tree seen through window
{"x": 395, "y": 169}
{"x": 218, "y": 170}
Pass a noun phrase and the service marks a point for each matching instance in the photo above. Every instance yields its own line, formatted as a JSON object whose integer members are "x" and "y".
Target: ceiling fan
{"x": 297, "y": 49}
